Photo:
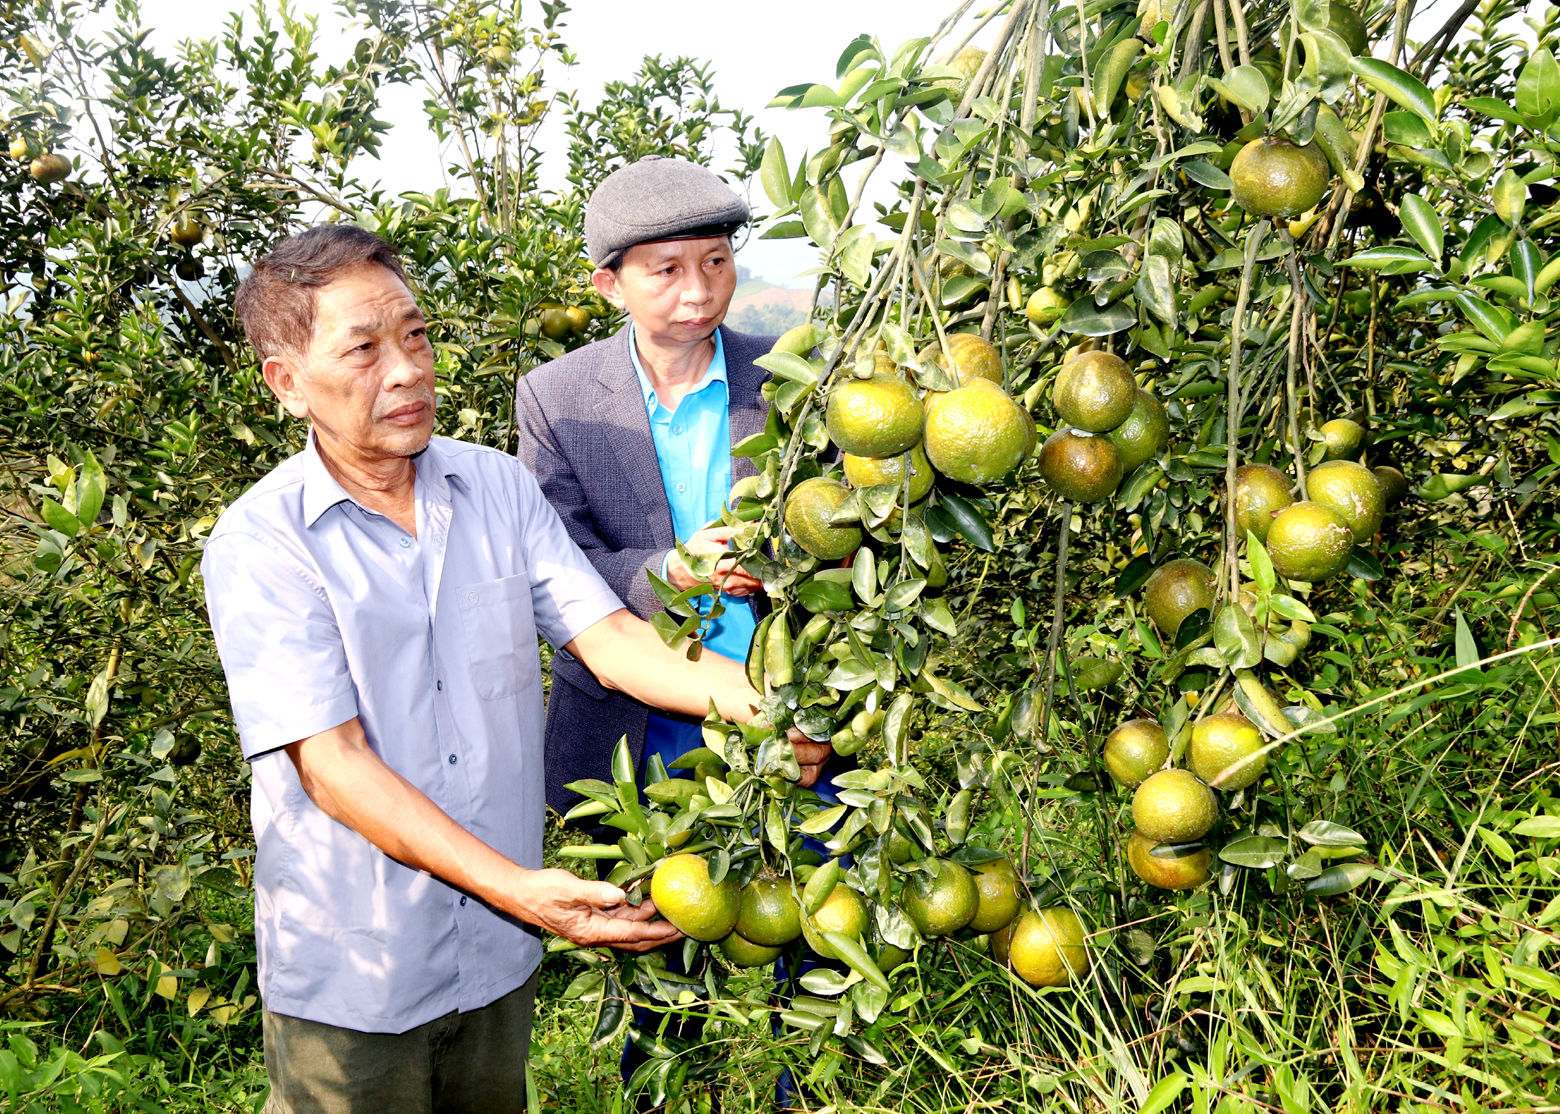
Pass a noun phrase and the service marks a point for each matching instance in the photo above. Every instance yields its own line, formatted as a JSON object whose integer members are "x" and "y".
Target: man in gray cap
{"x": 630, "y": 439}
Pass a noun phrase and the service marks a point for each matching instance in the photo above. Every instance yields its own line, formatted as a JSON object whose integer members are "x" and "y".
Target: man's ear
{"x": 282, "y": 375}
{"x": 606, "y": 283}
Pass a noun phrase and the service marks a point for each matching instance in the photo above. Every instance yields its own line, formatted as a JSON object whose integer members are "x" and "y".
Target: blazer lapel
{"x": 747, "y": 407}
{"x": 627, "y": 425}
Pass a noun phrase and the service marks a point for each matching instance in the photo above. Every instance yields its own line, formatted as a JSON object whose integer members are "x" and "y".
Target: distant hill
{"x": 766, "y": 309}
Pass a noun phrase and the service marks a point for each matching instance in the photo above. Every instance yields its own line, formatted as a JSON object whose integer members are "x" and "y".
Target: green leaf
{"x": 1538, "y": 88}
{"x": 1423, "y": 224}
{"x": 788, "y": 365}
{"x": 849, "y": 949}
{"x": 90, "y": 489}
{"x": 1363, "y": 564}
{"x": 1134, "y": 576}
{"x": 1164, "y": 1093}
{"x": 1247, "y": 86}
{"x": 1443, "y": 484}
{"x": 1406, "y": 130}
{"x": 1467, "y": 648}
{"x": 1390, "y": 259}
{"x": 1490, "y": 106}
{"x": 968, "y": 521}
{"x": 1236, "y": 637}
{"x": 1324, "y": 833}
{"x": 1541, "y": 827}
{"x": 818, "y": 595}
{"x": 1256, "y": 852}
{"x": 821, "y": 822}
{"x": 935, "y": 614}
{"x": 1091, "y": 321}
{"x": 1204, "y": 173}
{"x": 59, "y": 518}
{"x": 818, "y": 218}
{"x": 1338, "y": 879}
{"x": 775, "y": 176}
{"x": 1261, "y": 564}
{"x": 1509, "y": 196}
{"x": 1492, "y": 321}
{"x": 952, "y": 691}
{"x": 1402, "y": 88}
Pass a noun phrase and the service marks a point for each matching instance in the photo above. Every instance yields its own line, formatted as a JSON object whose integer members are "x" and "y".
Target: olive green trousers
{"x": 461, "y": 1063}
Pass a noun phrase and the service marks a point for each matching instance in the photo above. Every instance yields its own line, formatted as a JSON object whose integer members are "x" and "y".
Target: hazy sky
{"x": 756, "y": 49}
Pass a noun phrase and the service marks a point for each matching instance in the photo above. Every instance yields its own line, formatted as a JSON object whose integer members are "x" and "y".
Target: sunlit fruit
{"x": 579, "y": 318}
{"x": 1094, "y": 392}
{"x": 770, "y": 913}
{"x": 899, "y": 848}
{"x": 867, "y": 471}
{"x": 742, "y": 952}
{"x": 889, "y": 957}
{"x": 1353, "y": 491}
{"x": 1045, "y": 306}
{"x": 876, "y": 417}
{"x": 186, "y": 231}
{"x": 1309, "y": 541}
{"x": 1343, "y": 437}
{"x": 844, "y": 912}
{"x": 1080, "y": 467}
{"x": 975, "y": 434}
{"x": 1185, "y": 871}
{"x": 974, "y": 357}
{"x": 1000, "y": 894}
{"x": 999, "y": 940}
{"x": 1261, "y": 491}
{"x": 1173, "y": 806}
{"x": 1394, "y": 485}
{"x": 942, "y": 904}
{"x": 682, "y": 891}
{"x": 1272, "y": 177}
{"x": 1176, "y": 589}
{"x": 807, "y": 512}
{"x": 1143, "y": 434}
{"x": 24, "y": 148}
{"x": 799, "y": 340}
{"x": 49, "y": 168}
{"x": 968, "y": 63}
{"x": 500, "y": 56}
{"x": 1049, "y": 948}
{"x": 1135, "y": 750}
{"x": 555, "y": 323}
{"x": 1221, "y": 751}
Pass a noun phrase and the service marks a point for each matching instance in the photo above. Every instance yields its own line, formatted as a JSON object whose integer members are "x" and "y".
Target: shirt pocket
{"x": 500, "y": 634}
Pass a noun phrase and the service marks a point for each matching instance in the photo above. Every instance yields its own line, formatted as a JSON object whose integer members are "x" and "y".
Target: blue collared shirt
{"x": 324, "y": 610}
{"x": 693, "y": 446}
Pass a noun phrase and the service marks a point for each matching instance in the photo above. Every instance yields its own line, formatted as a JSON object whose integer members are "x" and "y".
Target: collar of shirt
{"x": 321, "y": 490}
{"x": 715, "y": 373}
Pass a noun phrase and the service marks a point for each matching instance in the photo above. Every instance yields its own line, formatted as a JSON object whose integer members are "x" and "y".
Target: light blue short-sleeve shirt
{"x": 322, "y": 611}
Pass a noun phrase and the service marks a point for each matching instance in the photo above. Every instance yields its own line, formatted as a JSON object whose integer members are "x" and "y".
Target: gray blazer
{"x": 585, "y": 435}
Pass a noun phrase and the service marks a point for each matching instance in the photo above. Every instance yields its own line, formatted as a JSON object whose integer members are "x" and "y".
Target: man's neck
{"x": 674, "y": 370}
{"x": 386, "y": 485}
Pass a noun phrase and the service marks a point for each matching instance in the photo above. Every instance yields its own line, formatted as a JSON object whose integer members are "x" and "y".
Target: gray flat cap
{"x": 658, "y": 199}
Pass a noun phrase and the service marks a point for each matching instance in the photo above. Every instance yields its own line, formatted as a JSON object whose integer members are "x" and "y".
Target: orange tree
{"x": 134, "y": 414}
{"x": 1200, "y": 238}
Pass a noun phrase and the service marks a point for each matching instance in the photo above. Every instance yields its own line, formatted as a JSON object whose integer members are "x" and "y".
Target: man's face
{"x": 678, "y": 291}
{"x": 366, "y": 379}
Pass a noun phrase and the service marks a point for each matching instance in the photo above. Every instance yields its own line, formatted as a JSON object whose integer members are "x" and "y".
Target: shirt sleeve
{"x": 280, "y": 646}
{"x": 568, "y": 595}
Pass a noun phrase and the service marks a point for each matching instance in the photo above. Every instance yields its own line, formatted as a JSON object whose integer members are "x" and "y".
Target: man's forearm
{"x": 353, "y": 785}
{"x": 627, "y": 654}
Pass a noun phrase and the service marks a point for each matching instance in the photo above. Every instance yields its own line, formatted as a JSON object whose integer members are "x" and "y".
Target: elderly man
{"x": 630, "y": 439}
{"x": 376, "y": 601}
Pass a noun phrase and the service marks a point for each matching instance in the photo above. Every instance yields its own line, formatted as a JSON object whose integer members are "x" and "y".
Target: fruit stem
{"x": 1291, "y": 378}
{"x": 1233, "y": 407}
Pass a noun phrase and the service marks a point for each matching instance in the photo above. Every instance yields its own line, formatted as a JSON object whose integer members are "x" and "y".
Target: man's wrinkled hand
{"x": 589, "y": 913}
{"x": 728, "y": 576}
{"x": 810, "y": 756}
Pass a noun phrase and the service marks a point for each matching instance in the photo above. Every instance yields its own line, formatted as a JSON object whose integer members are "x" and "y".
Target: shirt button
{"x": 682, "y": 487}
{"x": 452, "y": 760}
{"x": 463, "y": 901}
{"x": 406, "y": 543}
{"x": 472, "y": 597}
{"x": 677, "y": 429}
{"x": 439, "y": 685}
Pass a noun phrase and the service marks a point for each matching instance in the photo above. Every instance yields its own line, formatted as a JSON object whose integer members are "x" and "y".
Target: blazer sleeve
{"x": 622, "y": 569}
